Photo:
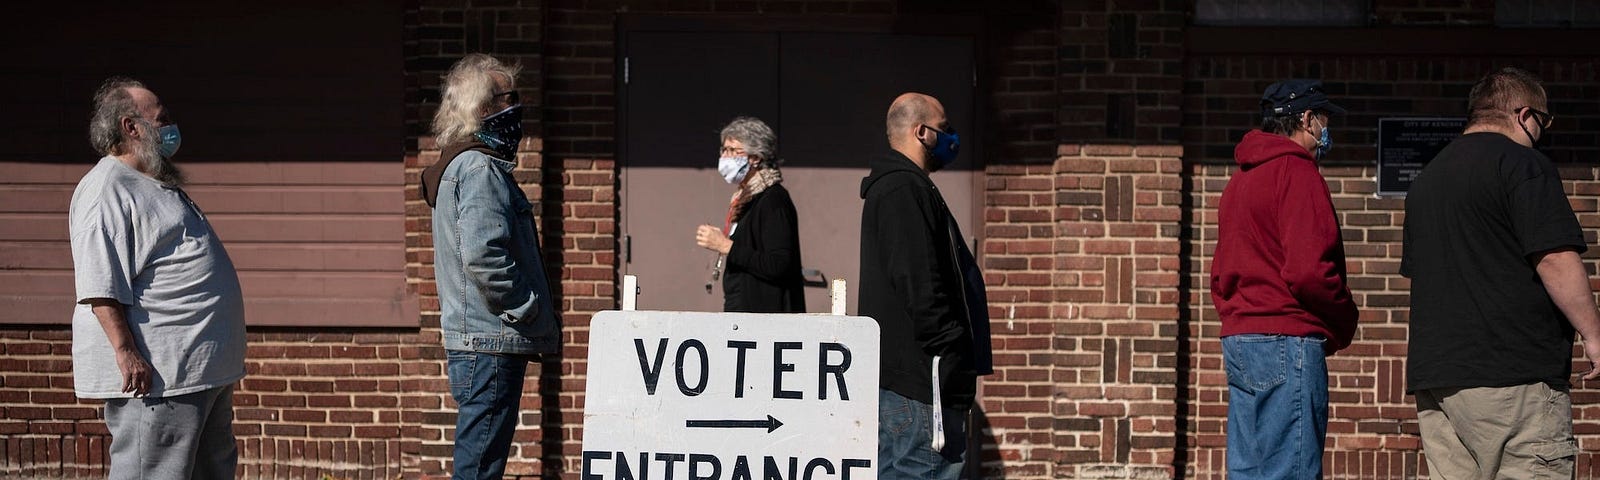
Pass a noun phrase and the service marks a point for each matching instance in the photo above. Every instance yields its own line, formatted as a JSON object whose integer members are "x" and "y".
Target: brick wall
{"x": 588, "y": 257}
{"x": 1115, "y": 271}
{"x": 1115, "y": 339}
{"x": 438, "y": 32}
{"x": 48, "y": 432}
{"x": 313, "y": 402}
{"x": 1121, "y": 67}
{"x": 1224, "y": 93}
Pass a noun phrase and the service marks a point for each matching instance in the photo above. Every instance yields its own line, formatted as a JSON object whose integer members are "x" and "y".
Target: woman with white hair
{"x": 760, "y": 253}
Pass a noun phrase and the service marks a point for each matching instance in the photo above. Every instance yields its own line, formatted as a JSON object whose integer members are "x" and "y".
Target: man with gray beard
{"x": 158, "y": 330}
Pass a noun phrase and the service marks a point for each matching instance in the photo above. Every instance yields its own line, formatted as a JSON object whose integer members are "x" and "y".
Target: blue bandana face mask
{"x": 946, "y": 146}
{"x": 502, "y": 132}
{"x": 169, "y": 140}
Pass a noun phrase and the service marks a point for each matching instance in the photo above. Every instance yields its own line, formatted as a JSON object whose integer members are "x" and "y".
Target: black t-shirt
{"x": 1480, "y": 317}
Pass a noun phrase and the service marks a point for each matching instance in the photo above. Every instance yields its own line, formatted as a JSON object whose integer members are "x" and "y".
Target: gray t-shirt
{"x": 149, "y": 247}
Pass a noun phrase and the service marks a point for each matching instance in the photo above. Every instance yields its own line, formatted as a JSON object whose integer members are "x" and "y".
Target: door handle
{"x": 814, "y": 278}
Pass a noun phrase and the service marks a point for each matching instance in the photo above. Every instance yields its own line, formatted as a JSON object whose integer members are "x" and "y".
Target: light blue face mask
{"x": 1324, "y": 144}
{"x": 168, "y": 140}
{"x": 733, "y": 169}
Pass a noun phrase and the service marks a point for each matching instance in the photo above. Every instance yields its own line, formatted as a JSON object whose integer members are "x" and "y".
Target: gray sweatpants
{"x": 183, "y": 437}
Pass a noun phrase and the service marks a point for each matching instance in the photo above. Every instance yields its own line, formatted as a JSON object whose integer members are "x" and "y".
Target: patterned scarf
{"x": 758, "y": 182}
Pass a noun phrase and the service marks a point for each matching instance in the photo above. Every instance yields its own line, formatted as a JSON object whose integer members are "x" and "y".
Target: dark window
{"x": 1281, "y": 12}
{"x": 1547, "y": 13}
{"x": 292, "y": 81}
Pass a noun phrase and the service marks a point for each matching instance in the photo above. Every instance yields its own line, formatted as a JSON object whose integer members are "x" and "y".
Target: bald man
{"x": 922, "y": 285}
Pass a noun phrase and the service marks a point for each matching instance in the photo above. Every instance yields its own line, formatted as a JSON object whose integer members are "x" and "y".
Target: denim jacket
{"x": 493, "y": 294}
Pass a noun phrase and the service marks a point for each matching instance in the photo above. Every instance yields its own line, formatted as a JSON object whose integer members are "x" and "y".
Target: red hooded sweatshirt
{"x": 1279, "y": 265}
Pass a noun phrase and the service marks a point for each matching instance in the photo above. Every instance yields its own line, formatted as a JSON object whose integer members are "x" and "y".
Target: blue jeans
{"x": 1277, "y": 406}
{"x": 905, "y": 440}
{"x": 488, "y": 390}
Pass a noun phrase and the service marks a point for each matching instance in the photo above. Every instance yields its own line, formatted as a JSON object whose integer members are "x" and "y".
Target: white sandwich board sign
{"x": 736, "y": 396}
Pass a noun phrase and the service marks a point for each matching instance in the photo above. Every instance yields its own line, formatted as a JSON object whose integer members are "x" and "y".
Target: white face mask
{"x": 733, "y": 169}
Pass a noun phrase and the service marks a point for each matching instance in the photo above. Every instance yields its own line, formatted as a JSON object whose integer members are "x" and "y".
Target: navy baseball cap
{"x": 1290, "y": 97}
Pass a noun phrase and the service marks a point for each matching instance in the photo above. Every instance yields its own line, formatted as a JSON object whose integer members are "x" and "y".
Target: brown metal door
{"x": 824, "y": 93}
{"x": 679, "y": 89}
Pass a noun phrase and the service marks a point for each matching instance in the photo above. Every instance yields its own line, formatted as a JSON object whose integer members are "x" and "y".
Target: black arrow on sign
{"x": 770, "y": 424}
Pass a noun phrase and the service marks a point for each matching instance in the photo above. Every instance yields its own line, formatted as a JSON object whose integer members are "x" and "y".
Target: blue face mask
{"x": 945, "y": 147}
{"x": 1324, "y": 144}
{"x": 502, "y": 131}
{"x": 169, "y": 140}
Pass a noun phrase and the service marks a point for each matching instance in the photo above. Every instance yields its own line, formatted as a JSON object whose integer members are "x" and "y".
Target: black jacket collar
{"x": 888, "y": 163}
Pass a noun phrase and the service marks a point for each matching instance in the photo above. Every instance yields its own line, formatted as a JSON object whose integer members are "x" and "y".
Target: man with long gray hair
{"x": 494, "y": 300}
{"x": 158, "y": 330}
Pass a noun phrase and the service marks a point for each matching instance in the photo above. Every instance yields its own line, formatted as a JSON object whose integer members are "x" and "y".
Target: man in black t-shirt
{"x": 1497, "y": 289}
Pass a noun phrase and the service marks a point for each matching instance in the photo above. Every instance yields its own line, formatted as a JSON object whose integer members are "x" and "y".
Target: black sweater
{"x": 763, "y": 267}
{"x": 913, "y": 284}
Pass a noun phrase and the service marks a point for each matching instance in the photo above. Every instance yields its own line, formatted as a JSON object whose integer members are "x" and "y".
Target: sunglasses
{"x": 512, "y": 97}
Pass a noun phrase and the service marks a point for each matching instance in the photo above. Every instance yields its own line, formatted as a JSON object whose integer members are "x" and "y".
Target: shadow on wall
{"x": 551, "y": 232}
{"x": 1185, "y": 359}
{"x": 983, "y": 449}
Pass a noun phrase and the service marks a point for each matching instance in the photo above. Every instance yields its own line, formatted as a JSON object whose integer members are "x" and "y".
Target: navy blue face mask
{"x": 502, "y": 131}
{"x": 945, "y": 147}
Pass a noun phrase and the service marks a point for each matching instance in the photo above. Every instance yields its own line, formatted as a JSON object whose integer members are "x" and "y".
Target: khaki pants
{"x": 1519, "y": 432}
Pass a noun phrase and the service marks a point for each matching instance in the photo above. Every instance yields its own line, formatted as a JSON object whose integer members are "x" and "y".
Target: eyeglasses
{"x": 1544, "y": 118}
{"x": 732, "y": 152}
{"x": 164, "y": 119}
{"x": 948, "y": 130}
{"x": 512, "y": 97}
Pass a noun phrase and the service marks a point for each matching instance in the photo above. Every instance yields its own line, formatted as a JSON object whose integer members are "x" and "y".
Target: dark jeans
{"x": 488, "y": 390}
{"x": 905, "y": 440}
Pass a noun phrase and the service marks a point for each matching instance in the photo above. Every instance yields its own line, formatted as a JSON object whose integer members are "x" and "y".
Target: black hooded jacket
{"x": 920, "y": 282}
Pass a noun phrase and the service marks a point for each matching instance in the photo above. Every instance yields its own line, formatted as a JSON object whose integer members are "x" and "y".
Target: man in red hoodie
{"x": 1278, "y": 281}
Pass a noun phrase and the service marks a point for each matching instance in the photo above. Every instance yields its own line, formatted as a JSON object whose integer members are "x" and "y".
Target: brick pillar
{"x": 1116, "y": 280}
{"x": 1018, "y": 270}
{"x": 588, "y": 250}
{"x": 1120, "y": 362}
